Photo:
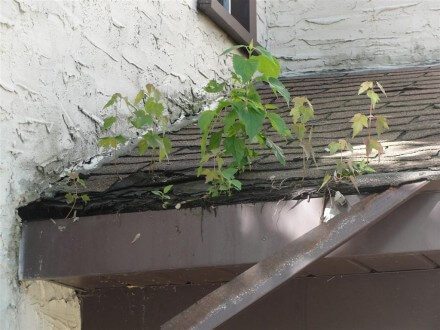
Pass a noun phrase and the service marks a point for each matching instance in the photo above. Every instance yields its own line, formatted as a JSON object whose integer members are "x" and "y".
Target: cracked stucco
{"x": 60, "y": 62}
{"x": 353, "y": 34}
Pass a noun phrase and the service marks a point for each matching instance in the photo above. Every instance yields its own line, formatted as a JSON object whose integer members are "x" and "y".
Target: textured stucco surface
{"x": 60, "y": 61}
{"x": 311, "y": 35}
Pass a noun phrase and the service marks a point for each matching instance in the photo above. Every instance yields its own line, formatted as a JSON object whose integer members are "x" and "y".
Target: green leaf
{"x": 359, "y": 122}
{"x": 140, "y": 95}
{"x": 381, "y": 124}
{"x": 244, "y": 67}
{"x": 263, "y": 51}
{"x": 334, "y": 147}
{"x": 164, "y": 148}
{"x": 299, "y": 130}
{"x": 278, "y": 87}
{"x": 215, "y": 140}
{"x": 325, "y": 181}
{"x": 141, "y": 119}
{"x": 142, "y": 146}
{"x": 214, "y": 87}
{"x": 373, "y": 144}
{"x": 229, "y": 120}
{"x": 252, "y": 120}
{"x": 229, "y": 173}
{"x": 111, "y": 141}
{"x": 153, "y": 107}
{"x": 112, "y": 100}
{"x": 81, "y": 182}
{"x": 374, "y": 97}
{"x": 70, "y": 198}
{"x": 302, "y": 110}
{"x": 167, "y": 188}
{"x": 277, "y": 151}
{"x": 268, "y": 66}
{"x": 279, "y": 124}
{"x": 381, "y": 88}
{"x": 366, "y": 85}
{"x": 230, "y": 49}
{"x": 235, "y": 147}
{"x": 236, "y": 184}
{"x": 85, "y": 198}
{"x": 157, "y": 193}
{"x": 108, "y": 122}
{"x": 205, "y": 119}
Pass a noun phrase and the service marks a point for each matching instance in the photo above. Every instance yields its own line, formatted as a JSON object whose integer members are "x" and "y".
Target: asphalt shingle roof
{"x": 412, "y": 149}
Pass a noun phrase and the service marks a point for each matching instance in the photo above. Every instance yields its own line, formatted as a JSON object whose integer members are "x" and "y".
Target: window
{"x": 236, "y": 17}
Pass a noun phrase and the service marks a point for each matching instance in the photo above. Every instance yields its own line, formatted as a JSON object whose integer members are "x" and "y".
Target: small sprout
{"x": 163, "y": 195}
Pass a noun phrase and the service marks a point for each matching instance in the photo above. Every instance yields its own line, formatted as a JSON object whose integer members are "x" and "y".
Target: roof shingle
{"x": 412, "y": 149}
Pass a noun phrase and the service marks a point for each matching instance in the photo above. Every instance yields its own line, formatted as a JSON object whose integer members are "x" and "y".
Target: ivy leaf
{"x": 111, "y": 141}
{"x": 381, "y": 124}
{"x": 81, "y": 182}
{"x": 235, "y": 147}
{"x": 278, "y": 152}
{"x": 236, "y": 184}
{"x": 205, "y": 119}
{"x": 278, "y": 87}
{"x": 334, "y": 147}
{"x": 299, "y": 130}
{"x": 214, "y": 87}
{"x": 359, "y": 122}
{"x": 215, "y": 140}
{"x": 108, "y": 122}
{"x": 70, "y": 198}
{"x": 139, "y": 96}
{"x": 167, "y": 189}
{"x": 302, "y": 110}
{"x": 210, "y": 175}
{"x": 244, "y": 67}
{"x": 164, "y": 148}
{"x": 325, "y": 181}
{"x": 153, "y": 107}
{"x": 229, "y": 173}
{"x": 141, "y": 119}
{"x": 230, "y": 49}
{"x": 278, "y": 124}
{"x": 112, "y": 100}
{"x": 229, "y": 120}
{"x": 268, "y": 66}
{"x": 366, "y": 85}
{"x": 263, "y": 51}
{"x": 381, "y": 88}
{"x": 374, "y": 97}
{"x": 372, "y": 144}
{"x": 85, "y": 198}
{"x": 252, "y": 120}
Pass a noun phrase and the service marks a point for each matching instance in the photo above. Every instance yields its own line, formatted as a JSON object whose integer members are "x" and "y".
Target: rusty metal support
{"x": 233, "y": 297}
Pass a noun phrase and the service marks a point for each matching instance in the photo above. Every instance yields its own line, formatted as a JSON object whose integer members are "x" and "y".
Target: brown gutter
{"x": 233, "y": 297}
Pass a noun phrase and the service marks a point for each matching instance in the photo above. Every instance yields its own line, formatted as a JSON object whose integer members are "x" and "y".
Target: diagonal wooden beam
{"x": 233, "y": 297}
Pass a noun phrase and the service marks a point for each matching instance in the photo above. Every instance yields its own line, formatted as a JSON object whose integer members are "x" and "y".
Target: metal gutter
{"x": 233, "y": 297}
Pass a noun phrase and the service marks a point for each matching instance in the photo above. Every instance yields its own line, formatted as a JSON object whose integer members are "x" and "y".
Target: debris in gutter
{"x": 136, "y": 237}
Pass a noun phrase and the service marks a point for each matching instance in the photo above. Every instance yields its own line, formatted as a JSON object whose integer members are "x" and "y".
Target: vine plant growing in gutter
{"x": 234, "y": 130}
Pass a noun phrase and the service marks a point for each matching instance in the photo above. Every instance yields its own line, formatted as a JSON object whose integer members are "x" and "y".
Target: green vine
{"x": 238, "y": 126}
{"x": 346, "y": 169}
{"x": 73, "y": 197}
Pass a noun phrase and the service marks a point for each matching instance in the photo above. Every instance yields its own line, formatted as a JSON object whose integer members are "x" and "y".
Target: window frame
{"x": 228, "y": 23}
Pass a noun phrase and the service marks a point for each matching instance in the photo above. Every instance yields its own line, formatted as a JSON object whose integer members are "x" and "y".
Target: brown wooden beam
{"x": 233, "y": 297}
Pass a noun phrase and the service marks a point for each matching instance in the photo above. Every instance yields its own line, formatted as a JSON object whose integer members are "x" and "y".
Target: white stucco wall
{"x": 314, "y": 35}
{"x": 60, "y": 61}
